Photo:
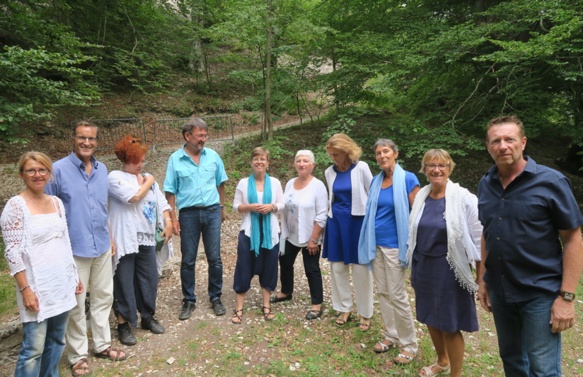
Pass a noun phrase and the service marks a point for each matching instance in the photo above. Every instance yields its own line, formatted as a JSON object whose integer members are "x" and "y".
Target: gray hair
{"x": 385, "y": 143}
{"x": 194, "y": 122}
{"x": 307, "y": 153}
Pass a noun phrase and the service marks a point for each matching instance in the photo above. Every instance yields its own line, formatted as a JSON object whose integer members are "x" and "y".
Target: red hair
{"x": 130, "y": 150}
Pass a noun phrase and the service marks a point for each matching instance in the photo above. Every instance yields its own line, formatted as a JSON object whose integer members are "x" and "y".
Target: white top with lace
{"x": 39, "y": 245}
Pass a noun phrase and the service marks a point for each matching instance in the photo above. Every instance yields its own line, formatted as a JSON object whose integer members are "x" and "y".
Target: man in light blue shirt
{"x": 80, "y": 181}
{"x": 195, "y": 185}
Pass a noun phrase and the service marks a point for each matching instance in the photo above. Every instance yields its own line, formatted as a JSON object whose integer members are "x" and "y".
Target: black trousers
{"x": 311, "y": 268}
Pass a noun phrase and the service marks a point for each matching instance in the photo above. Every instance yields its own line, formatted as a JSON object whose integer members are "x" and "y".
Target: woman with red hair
{"x": 134, "y": 200}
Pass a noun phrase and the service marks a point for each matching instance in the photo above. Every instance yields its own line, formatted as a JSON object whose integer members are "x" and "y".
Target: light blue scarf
{"x": 265, "y": 219}
{"x": 367, "y": 241}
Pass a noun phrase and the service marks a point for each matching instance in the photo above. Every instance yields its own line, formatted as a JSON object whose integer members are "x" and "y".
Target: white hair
{"x": 307, "y": 153}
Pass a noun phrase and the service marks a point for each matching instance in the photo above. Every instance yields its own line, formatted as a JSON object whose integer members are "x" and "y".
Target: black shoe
{"x": 126, "y": 335}
{"x": 314, "y": 314}
{"x": 153, "y": 325}
{"x": 187, "y": 309}
{"x": 218, "y": 307}
{"x": 275, "y": 298}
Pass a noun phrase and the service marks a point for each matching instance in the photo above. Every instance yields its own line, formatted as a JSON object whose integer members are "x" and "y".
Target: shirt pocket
{"x": 207, "y": 174}
{"x": 186, "y": 179}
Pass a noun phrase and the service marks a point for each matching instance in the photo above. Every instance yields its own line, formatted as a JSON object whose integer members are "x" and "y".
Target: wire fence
{"x": 159, "y": 132}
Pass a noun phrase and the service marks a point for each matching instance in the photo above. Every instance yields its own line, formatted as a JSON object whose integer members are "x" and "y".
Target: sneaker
{"x": 153, "y": 325}
{"x": 126, "y": 335}
{"x": 218, "y": 307}
{"x": 187, "y": 309}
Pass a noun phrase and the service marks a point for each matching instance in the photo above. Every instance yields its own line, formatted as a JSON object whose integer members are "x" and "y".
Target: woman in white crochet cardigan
{"x": 40, "y": 258}
{"x": 444, "y": 247}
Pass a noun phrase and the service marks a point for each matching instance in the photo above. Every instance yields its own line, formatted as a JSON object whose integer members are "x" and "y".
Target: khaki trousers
{"x": 96, "y": 275}
{"x": 394, "y": 305}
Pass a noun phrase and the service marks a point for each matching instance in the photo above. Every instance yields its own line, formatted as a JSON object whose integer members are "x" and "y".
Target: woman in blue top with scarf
{"x": 382, "y": 247}
{"x": 259, "y": 198}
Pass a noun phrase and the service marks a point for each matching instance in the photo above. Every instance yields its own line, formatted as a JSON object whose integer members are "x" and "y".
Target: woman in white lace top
{"x": 39, "y": 255}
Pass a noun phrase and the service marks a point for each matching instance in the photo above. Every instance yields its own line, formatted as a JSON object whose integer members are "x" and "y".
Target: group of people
{"x": 517, "y": 245}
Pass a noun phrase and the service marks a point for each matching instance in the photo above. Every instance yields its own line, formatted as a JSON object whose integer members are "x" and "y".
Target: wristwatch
{"x": 567, "y": 296}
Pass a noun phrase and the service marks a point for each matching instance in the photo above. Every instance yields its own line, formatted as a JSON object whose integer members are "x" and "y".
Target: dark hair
{"x": 194, "y": 122}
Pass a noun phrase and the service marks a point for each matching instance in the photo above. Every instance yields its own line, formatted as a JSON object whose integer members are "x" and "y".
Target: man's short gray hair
{"x": 194, "y": 122}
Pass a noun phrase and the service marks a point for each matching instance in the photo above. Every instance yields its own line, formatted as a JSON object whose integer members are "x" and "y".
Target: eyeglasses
{"x": 438, "y": 166}
{"x": 200, "y": 136}
{"x": 32, "y": 172}
{"x": 86, "y": 139}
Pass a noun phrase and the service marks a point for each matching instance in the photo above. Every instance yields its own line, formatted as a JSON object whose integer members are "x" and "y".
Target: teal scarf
{"x": 256, "y": 218}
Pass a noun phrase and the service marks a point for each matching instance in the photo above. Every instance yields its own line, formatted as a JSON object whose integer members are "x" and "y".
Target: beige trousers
{"x": 394, "y": 305}
{"x": 96, "y": 274}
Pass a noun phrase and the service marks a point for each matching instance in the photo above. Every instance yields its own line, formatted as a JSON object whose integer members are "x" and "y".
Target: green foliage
{"x": 34, "y": 81}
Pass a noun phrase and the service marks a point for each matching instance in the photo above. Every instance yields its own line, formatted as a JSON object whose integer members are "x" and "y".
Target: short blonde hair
{"x": 437, "y": 154}
{"x": 343, "y": 143}
{"x": 307, "y": 153}
{"x": 259, "y": 151}
{"x": 39, "y": 157}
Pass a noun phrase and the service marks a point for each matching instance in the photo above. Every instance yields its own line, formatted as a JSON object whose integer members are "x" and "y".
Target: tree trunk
{"x": 268, "y": 120}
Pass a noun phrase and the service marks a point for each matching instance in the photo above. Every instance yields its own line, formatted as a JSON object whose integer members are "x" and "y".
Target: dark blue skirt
{"x": 440, "y": 301}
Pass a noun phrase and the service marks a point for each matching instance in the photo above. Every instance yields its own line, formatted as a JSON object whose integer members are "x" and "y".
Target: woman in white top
{"x": 40, "y": 258}
{"x": 302, "y": 223}
{"x": 134, "y": 201}
{"x": 259, "y": 198}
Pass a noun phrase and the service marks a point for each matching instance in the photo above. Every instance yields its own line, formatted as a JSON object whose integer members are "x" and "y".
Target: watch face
{"x": 568, "y": 296}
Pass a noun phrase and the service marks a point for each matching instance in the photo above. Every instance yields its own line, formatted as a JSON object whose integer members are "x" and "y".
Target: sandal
{"x": 237, "y": 318}
{"x": 267, "y": 315}
{"x": 404, "y": 358}
{"x": 383, "y": 346}
{"x": 364, "y": 324}
{"x": 343, "y": 319}
{"x": 434, "y": 370}
{"x": 80, "y": 365}
{"x": 112, "y": 354}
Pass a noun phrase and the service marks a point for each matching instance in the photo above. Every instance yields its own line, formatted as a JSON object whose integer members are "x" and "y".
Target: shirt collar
{"x": 185, "y": 155}
{"x": 80, "y": 164}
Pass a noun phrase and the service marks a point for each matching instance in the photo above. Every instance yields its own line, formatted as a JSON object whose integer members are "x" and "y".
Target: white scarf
{"x": 459, "y": 255}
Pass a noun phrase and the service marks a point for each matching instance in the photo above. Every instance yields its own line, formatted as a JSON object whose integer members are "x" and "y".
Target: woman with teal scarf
{"x": 382, "y": 247}
{"x": 259, "y": 198}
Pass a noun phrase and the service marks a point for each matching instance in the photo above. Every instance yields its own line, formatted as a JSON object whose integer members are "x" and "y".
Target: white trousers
{"x": 389, "y": 279}
{"x": 363, "y": 288}
{"x": 96, "y": 274}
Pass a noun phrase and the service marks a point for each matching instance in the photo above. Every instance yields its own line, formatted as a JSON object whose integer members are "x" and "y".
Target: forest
{"x": 439, "y": 68}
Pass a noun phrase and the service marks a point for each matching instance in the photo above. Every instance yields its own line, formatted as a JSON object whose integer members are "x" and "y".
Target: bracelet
{"x": 314, "y": 241}
{"x": 167, "y": 219}
{"x": 274, "y": 208}
{"x": 22, "y": 289}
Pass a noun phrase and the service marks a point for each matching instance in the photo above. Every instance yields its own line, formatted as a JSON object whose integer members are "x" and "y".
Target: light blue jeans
{"x": 42, "y": 346}
{"x": 527, "y": 346}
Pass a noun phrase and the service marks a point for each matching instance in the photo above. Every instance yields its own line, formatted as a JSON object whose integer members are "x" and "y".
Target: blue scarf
{"x": 255, "y": 217}
{"x": 367, "y": 241}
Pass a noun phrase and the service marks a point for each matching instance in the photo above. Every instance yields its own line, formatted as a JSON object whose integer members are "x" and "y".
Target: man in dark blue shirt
{"x": 532, "y": 253}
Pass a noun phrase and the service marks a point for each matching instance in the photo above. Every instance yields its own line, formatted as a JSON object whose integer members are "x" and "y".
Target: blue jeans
{"x": 527, "y": 345}
{"x": 42, "y": 346}
{"x": 193, "y": 223}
